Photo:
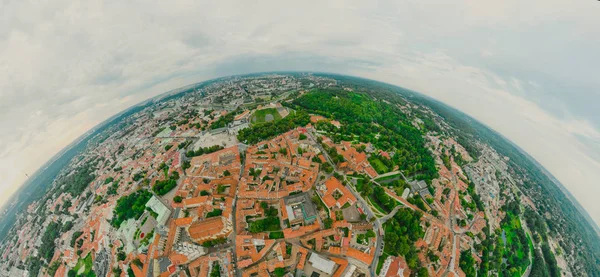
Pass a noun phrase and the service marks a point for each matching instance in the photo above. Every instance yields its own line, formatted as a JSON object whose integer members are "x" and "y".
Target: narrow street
{"x": 238, "y": 273}
{"x": 364, "y": 205}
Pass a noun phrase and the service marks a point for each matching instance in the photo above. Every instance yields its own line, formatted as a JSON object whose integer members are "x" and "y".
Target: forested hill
{"x": 374, "y": 121}
{"x": 567, "y": 219}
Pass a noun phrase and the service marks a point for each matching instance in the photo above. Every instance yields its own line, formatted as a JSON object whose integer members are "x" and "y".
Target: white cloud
{"x": 66, "y": 66}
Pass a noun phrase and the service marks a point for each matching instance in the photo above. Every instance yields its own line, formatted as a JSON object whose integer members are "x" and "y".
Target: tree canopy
{"x": 267, "y": 130}
{"x": 162, "y": 187}
{"x": 374, "y": 121}
{"x": 401, "y": 233}
{"x": 130, "y": 206}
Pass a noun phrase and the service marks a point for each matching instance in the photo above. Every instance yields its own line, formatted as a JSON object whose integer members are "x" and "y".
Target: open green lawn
{"x": 378, "y": 165}
{"x": 265, "y": 115}
{"x": 276, "y": 235}
{"x": 87, "y": 263}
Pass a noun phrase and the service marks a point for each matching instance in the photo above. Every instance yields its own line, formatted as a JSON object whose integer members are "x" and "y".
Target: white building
{"x": 321, "y": 263}
{"x": 161, "y": 209}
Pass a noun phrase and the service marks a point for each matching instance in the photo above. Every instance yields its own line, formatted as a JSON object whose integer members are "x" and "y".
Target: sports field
{"x": 265, "y": 115}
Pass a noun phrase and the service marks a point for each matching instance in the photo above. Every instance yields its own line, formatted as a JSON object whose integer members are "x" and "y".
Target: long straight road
{"x": 449, "y": 224}
{"x": 238, "y": 273}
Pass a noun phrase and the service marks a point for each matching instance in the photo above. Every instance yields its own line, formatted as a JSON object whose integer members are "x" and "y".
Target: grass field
{"x": 378, "y": 165}
{"x": 85, "y": 265}
{"x": 265, "y": 115}
{"x": 276, "y": 235}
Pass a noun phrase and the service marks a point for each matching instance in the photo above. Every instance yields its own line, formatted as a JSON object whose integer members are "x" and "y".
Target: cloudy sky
{"x": 528, "y": 69}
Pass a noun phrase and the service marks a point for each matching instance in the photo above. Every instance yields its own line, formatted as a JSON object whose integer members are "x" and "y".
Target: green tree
{"x": 279, "y": 272}
{"x": 162, "y": 187}
{"x": 467, "y": 263}
{"x": 130, "y": 206}
{"x": 216, "y": 270}
{"x": 121, "y": 256}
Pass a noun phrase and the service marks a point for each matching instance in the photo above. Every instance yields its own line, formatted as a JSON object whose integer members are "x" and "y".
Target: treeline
{"x": 485, "y": 248}
{"x": 162, "y": 187}
{"x": 130, "y": 206}
{"x": 383, "y": 199}
{"x": 78, "y": 181}
{"x": 475, "y": 197}
{"x": 566, "y": 218}
{"x": 467, "y": 263}
{"x": 46, "y": 250}
{"x": 401, "y": 233}
{"x": 538, "y": 269}
{"x": 376, "y": 122}
{"x": 223, "y": 121}
{"x": 544, "y": 263}
{"x": 267, "y": 130}
{"x": 203, "y": 150}
{"x": 537, "y": 225}
{"x": 550, "y": 260}
{"x": 397, "y": 95}
{"x": 52, "y": 232}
